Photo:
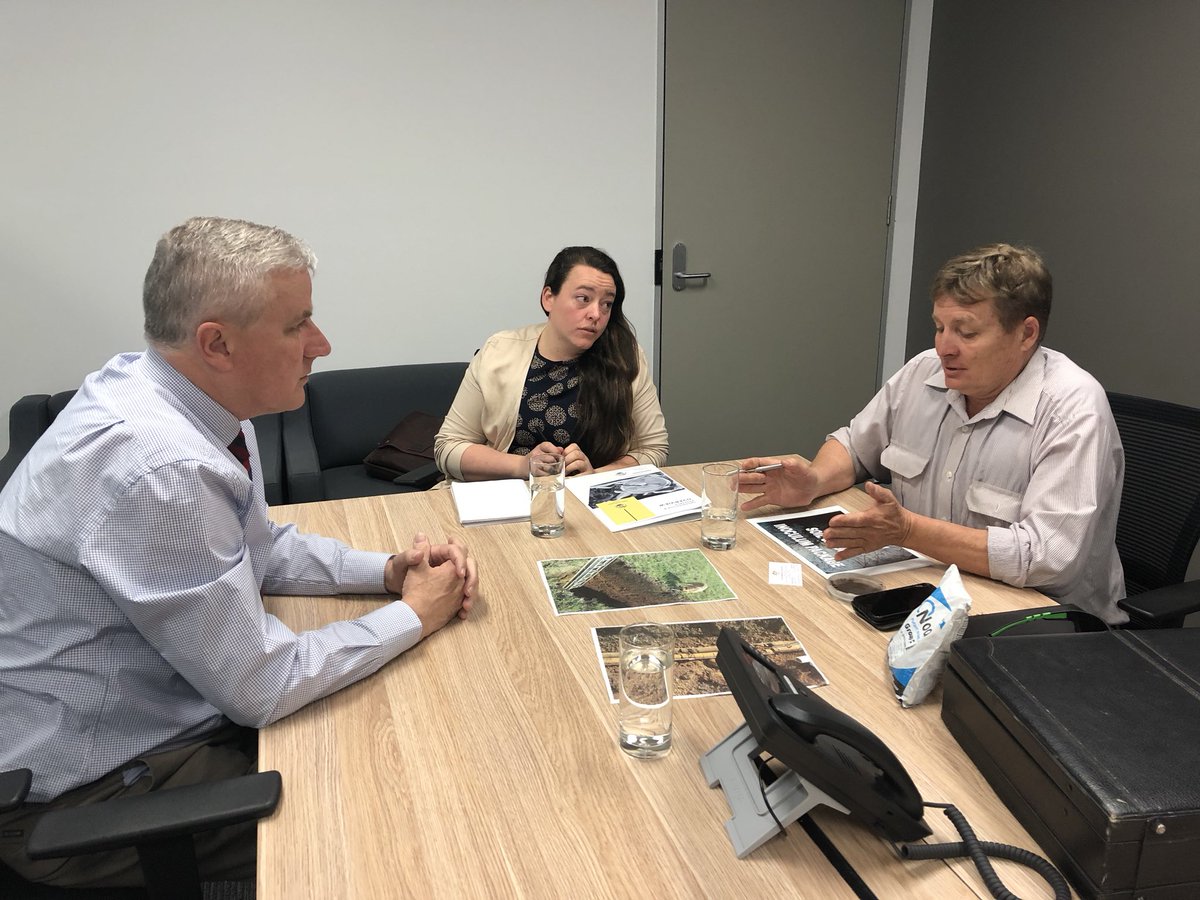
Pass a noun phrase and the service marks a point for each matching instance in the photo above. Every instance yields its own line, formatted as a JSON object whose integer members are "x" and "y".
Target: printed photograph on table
{"x": 800, "y": 535}
{"x": 696, "y": 671}
{"x": 631, "y": 580}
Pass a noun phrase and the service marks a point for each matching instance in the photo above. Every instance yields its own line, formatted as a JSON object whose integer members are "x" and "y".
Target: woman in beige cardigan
{"x": 576, "y": 386}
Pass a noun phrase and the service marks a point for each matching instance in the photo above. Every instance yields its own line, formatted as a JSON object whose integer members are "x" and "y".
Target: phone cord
{"x": 979, "y": 851}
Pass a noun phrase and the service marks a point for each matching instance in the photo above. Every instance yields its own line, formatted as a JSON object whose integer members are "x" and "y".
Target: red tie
{"x": 239, "y": 449}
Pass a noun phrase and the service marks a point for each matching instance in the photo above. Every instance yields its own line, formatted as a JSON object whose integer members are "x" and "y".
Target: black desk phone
{"x": 821, "y": 744}
{"x": 831, "y": 760}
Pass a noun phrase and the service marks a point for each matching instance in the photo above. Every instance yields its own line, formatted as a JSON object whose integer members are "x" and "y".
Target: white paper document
{"x": 487, "y": 502}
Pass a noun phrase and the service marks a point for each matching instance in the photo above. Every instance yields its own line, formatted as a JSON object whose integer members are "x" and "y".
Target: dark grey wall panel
{"x": 1074, "y": 127}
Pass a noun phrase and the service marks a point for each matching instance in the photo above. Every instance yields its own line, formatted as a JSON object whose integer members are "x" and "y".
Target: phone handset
{"x": 817, "y": 722}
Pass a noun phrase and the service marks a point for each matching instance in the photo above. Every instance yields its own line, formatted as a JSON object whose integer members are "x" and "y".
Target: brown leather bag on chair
{"x": 408, "y": 446}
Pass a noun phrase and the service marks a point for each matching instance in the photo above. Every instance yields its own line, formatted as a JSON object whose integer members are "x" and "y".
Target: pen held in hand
{"x": 767, "y": 468}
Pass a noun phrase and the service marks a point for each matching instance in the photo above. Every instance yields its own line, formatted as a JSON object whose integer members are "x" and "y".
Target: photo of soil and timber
{"x": 696, "y": 671}
{"x": 631, "y": 580}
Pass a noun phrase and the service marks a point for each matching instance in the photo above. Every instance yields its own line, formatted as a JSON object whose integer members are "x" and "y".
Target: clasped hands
{"x": 575, "y": 461}
{"x": 437, "y": 581}
{"x": 795, "y": 483}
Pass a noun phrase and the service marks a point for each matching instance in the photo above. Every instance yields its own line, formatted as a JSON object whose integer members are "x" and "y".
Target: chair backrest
{"x": 27, "y": 421}
{"x": 349, "y": 411}
{"x": 33, "y": 414}
{"x": 352, "y": 409}
{"x": 268, "y": 430}
{"x": 1159, "y": 522}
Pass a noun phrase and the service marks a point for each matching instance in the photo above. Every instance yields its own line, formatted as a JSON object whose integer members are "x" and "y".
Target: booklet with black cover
{"x": 800, "y": 534}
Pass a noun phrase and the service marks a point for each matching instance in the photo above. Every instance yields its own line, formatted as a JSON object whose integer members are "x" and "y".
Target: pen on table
{"x": 766, "y": 468}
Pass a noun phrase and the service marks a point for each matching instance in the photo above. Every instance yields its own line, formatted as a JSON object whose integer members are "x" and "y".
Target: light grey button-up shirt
{"x": 1040, "y": 468}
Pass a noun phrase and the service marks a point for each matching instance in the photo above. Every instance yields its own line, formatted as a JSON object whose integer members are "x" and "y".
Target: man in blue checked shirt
{"x": 135, "y": 652}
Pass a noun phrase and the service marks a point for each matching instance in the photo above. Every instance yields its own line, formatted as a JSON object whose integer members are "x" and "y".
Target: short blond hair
{"x": 1015, "y": 279}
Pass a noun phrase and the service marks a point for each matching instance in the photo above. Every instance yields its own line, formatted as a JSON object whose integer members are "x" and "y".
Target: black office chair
{"x": 160, "y": 825}
{"x": 1159, "y": 522}
{"x": 32, "y": 414}
{"x": 346, "y": 414}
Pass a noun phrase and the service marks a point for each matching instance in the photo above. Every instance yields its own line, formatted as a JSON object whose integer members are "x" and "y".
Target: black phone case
{"x": 882, "y": 623}
{"x": 889, "y": 621}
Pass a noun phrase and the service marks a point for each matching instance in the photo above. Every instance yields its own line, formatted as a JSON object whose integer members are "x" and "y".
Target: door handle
{"x": 680, "y": 278}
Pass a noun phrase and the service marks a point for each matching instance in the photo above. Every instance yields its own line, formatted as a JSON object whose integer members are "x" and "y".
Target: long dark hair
{"x": 607, "y": 369}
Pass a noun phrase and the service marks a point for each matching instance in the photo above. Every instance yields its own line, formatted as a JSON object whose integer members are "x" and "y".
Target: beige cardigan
{"x": 485, "y": 409}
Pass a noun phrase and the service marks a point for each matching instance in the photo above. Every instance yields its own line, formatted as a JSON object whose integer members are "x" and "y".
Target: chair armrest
{"x": 420, "y": 478}
{"x": 14, "y": 788}
{"x": 157, "y": 816}
{"x": 1164, "y": 607}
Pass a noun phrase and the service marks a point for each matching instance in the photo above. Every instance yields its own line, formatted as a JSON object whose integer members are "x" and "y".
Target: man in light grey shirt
{"x": 1003, "y": 455}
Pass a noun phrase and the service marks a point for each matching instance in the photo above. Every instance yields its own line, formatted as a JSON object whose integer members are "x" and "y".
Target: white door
{"x": 778, "y": 137}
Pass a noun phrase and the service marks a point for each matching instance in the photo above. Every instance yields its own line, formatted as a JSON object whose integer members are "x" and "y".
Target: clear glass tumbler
{"x": 647, "y": 657}
{"x": 718, "y": 519}
{"x": 547, "y": 496}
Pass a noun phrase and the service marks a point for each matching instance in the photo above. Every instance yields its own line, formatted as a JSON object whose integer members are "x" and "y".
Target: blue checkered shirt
{"x": 134, "y": 550}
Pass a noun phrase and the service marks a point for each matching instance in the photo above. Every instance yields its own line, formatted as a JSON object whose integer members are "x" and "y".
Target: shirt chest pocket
{"x": 902, "y": 462}
{"x": 993, "y": 502}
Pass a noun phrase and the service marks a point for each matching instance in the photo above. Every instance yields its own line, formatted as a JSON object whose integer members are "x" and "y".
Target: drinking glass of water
{"x": 718, "y": 519}
{"x": 647, "y": 656}
{"x": 547, "y": 495}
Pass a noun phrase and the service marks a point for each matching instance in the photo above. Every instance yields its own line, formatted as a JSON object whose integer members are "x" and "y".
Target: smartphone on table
{"x": 887, "y": 610}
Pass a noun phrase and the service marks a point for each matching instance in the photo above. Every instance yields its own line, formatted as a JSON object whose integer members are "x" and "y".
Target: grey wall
{"x": 1074, "y": 127}
{"x": 435, "y": 154}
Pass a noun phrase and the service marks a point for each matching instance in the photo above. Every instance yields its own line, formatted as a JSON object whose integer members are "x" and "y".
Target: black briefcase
{"x": 1093, "y": 742}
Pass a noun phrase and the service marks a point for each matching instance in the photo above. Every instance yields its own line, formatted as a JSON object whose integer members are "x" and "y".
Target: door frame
{"x": 906, "y": 177}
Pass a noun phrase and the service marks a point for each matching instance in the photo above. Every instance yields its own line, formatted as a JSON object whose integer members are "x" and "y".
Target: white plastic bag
{"x": 917, "y": 653}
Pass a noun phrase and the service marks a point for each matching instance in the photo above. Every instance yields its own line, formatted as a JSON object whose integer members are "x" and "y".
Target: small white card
{"x": 785, "y": 573}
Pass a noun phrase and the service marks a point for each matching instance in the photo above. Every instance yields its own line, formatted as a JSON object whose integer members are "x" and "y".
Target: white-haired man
{"x": 135, "y": 546}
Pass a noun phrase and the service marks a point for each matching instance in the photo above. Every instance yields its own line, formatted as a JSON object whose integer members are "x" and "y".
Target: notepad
{"x": 489, "y": 502}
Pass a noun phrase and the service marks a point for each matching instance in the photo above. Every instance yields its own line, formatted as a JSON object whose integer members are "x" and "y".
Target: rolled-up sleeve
{"x": 869, "y": 432}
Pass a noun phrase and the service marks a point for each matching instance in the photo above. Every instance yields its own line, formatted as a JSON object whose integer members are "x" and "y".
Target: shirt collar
{"x": 221, "y": 422}
{"x": 1019, "y": 399}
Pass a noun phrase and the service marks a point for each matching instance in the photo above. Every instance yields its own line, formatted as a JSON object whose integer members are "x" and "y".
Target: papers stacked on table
{"x": 638, "y": 495}
{"x": 487, "y": 502}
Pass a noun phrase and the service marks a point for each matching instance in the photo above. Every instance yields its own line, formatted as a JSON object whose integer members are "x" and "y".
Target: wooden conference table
{"x": 483, "y": 762}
